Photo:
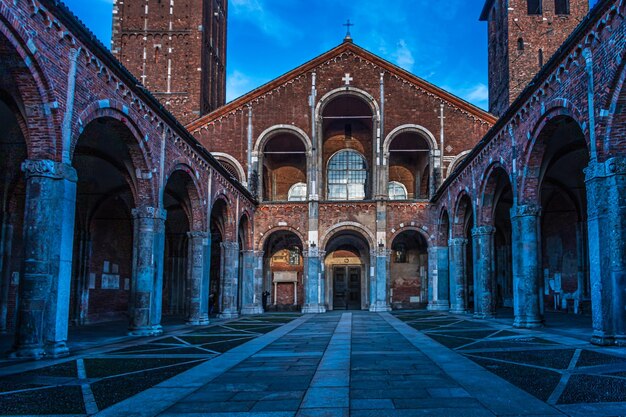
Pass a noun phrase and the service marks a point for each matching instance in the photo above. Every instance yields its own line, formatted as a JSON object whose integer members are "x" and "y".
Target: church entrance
{"x": 347, "y": 287}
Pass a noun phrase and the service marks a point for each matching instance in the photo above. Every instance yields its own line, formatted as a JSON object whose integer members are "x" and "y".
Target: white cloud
{"x": 257, "y": 13}
{"x": 237, "y": 84}
{"x": 403, "y": 56}
{"x": 479, "y": 92}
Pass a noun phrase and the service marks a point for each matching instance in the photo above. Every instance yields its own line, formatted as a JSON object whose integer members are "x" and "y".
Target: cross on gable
{"x": 347, "y": 78}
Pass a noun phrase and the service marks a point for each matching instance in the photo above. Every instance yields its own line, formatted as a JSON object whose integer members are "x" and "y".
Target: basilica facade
{"x": 347, "y": 183}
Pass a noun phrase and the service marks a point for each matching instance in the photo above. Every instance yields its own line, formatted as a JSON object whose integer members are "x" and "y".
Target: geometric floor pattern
{"x": 86, "y": 384}
{"x": 556, "y": 373}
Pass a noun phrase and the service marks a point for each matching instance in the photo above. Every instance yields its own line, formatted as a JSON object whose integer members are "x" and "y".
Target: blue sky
{"x": 440, "y": 41}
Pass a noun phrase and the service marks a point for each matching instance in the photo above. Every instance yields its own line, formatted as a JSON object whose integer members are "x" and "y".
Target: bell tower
{"x": 522, "y": 36}
{"x": 177, "y": 49}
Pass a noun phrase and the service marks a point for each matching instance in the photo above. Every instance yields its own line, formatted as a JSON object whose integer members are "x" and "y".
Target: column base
{"x": 229, "y": 315}
{"x": 201, "y": 321}
{"x": 57, "y": 350}
{"x": 527, "y": 323}
{"x": 380, "y": 308}
{"x": 252, "y": 310}
{"x": 438, "y": 306}
{"x": 146, "y": 331}
{"x": 458, "y": 310}
{"x": 484, "y": 316}
{"x": 602, "y": 339}
{"x": 620, "y": 341}
{"x": 34, "y": 352}
{"x": 314, "y": 309}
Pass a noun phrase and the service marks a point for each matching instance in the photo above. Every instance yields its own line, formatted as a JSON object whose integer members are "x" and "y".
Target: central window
{"x": 347, "y": 176}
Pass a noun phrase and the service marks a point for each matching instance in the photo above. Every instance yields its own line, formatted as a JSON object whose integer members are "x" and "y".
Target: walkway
{"x": 360, "y": 364}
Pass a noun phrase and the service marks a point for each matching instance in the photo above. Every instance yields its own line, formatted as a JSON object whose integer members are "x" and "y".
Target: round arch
{"x": 487, "y": 190}
{"x": 348, "y": 91}
{"x": 268, "y": 233}
{"x": 235, "y": 163}
{"x": 417, "y": 229}
{"x": 270, "y": 132}
{"x": 410, "y": 128}
{"x": 197, "y": 217}
{"x": 456, "y": 161}
{"x": 367, "y": 235}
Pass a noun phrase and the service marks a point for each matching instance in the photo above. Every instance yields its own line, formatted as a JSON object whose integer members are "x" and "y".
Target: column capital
{"x": 457, "y": 241}
{"x": 198, "y": 235}
{"x": 483, "y": 230}
{"x": 608, "y": 168}
{"x": 146, "y": 212}
{"x": 259, "y": 253}
{"x": 380, "y": 252}
{"x": 314, "y": 253}
{"x": 49, "y": 169}
{"x": 527, "y": 210}
{"x": 229, "y": 245}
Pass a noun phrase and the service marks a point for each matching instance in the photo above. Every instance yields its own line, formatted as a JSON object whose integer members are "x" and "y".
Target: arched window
{"x": 297, "y": 192}
{"x": 534, "y": 7}
{"x": 520, "y": 44}
{"x": 561, "y": 6}
{"x": 347, "y": 176}
{"x": 397, "y": 191}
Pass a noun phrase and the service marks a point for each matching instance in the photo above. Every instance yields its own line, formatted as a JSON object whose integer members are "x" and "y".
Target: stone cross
{"x": 348, "y": 25}
{"x": 347, "y": 78}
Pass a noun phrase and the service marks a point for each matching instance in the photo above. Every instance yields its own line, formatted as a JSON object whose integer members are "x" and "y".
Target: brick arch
{"x": 410, "y": 128}
{"x": 248, "y": 234}
{"x": 229, "y": 233}
{"x": 460, "y": 214}
{"x": 41, "y": 134}
{"x": 530, "y": 178}
{"x": 349, "y": 91}
{"x": 266, "y": 235}
{"x": 420, "y": 230}
{"x": 270, "y": 132}
{"x": 145, "y": 190}
{"x": 486, "y": 206}
{"x": 197, "y": 216}
{"x": 367, "y": 235}
{"x": 443, "y": 232}
{"x": 613, "y": 143}
{"x": 222, "y": 156}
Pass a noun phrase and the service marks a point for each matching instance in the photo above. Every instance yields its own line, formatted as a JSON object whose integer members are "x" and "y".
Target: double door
{"x": 347, "y": 288}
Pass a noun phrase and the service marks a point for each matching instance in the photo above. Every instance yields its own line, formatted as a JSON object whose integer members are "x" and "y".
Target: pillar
{"x": 379, "y": 260}
{"x": 313, "y": 282}
{"x": 438, "y": 278}
{"x": 44, "y": 290}
{"x": 606, "y": 209}
{"x": 526, "y": 266}
{"x": 252, "y": 283}
{"x": 230, "y": 280}
{"x": 6, "y": 245}
{"x": 198, "y": 285}
{"x": 458, "y": 264}
{"x": 147, "y": 279}
{"x": 484, "y": 306}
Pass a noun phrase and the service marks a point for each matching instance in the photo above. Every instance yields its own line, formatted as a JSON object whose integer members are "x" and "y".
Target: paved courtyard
{"x": 338, "y": 364}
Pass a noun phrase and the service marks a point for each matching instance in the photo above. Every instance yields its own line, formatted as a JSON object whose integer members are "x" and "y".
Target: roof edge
{"x": 484, "y": 15}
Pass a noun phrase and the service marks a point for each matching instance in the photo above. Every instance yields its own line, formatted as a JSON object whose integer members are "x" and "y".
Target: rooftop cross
{"x": 348, "y": 37}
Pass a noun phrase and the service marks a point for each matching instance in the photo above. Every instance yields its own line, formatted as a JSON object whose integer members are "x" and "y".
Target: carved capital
{"x": 608, "y": 168}
{"x": 313, "y": 253}
{"x": 49, "y": 169}
{"x": 146, "y": 212}
{"x": 457, "y": 241}
{"x": 380, "y": 252}
{"x": 483, "y": 230}
{"x": 197, "y": 235}
{"x": 527, "y": 210}
{"x": 230, "y": 246}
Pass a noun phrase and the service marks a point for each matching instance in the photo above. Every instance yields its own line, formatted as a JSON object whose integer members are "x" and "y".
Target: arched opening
{"x": 177, "y": 199}
{"x": 347, "y": 151}
{"x": 464, "y": 226}
{"x": 231, "y": 169}
{"x": 218, "y": 222}
{"x": 409, "y": 164}
{"x": 408, "y": 270}
{"x": 564, "y": 242}
{"x": 102, "y": 264}
{"x": 284, "y": 165}
{"x": 284, "y": 269}
{"x": 13, "y": 151}
{"x": 497, "y": 204}
{"x": 520, "y": 44}
{"x": 347, "y": 265}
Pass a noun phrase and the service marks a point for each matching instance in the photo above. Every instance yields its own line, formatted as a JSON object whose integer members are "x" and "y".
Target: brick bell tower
{"x": 523, "y": 35}
{"x": 177, "y": 49}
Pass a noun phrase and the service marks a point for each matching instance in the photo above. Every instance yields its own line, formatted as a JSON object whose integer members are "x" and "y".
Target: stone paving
{"x": 342, "y": 364}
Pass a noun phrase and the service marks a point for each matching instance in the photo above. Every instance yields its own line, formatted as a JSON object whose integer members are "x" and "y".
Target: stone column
{"x": 198, "y": 283}
{"x": 438, "y": 277}
{"x": 6, "y": 245}
{"x": 484, "y": 306}
{"x": 606, "y": 208}
{"x": 147, "y": 280}
{"x": 252, "y": 283}
{"x": 44, "y": 291}
{"x": 313, "y": 282}
{"x": 230, "y": 280}
{"x": 458, "y": 264}
{"x": 379, "y": 299}
{"x": 526, "y": 266}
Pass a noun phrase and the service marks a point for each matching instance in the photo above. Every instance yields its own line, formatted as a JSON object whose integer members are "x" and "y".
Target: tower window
{"x": 534, "y": 7}
{"x": 520, "y": 44}
{"x": 540, "y": 58}
{"x": 561, "y": 6}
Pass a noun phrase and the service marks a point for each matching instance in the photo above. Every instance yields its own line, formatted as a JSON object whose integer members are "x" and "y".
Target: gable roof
{"x": 346, "y": 46}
